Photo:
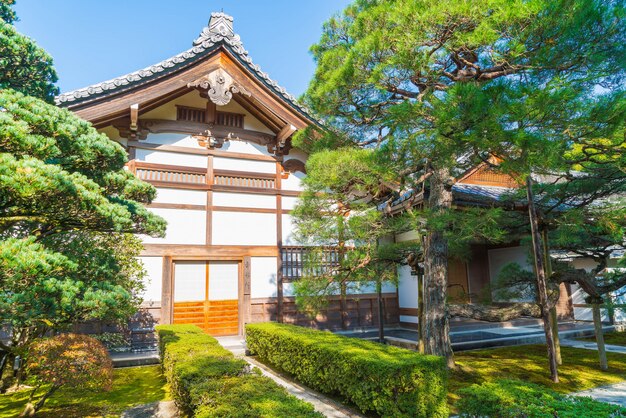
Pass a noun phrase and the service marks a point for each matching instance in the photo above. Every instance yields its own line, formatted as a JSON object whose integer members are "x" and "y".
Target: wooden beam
{"x": 167, "y": 287}
{"x": 207, "y": 251}
{"x": 284, "y": 134}
{"x": 201, "y": 151}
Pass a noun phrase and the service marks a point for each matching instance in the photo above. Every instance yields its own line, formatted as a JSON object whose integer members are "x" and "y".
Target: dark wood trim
{"x": 279, "y": 244}
{"x": 240, "y": 297}
{"x": 176, "y": 206}
{"x": 246, "y": 312}
{"x": 236, "y": 251}
{"x": 236, "y": 173}
{"x": 132, "y": 151}
{"x": 211, "y": 112}
{"x": 167, "y": 295}
{"x": 408, "y": 311}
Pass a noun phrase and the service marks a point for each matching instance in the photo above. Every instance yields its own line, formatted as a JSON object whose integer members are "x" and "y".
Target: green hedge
{"x": 514, "y": 398}
{"x": 208, "y": 381}
{"x": 384, "y": 380}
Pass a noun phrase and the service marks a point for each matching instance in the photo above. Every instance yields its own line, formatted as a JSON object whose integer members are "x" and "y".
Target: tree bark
{"x": 553, "y": 315}
{"x": 420, "y": 312}
{"x": 597, "y": 324}
{"x": 538, "y": 254}
{"x": 555, "y": 334}
{"x": 436, "y": 325}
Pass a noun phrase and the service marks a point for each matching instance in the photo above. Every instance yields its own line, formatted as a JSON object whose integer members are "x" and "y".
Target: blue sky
{"x": 93, "y": 41}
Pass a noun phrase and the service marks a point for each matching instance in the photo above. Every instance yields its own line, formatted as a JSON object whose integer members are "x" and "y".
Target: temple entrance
{"x": 206, "y": 294}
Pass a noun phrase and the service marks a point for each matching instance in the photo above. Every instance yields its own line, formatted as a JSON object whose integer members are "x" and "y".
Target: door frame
{"x": 168, "y": 288}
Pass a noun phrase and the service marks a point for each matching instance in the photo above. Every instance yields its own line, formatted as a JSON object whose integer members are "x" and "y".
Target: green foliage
{"x": 24, "y": 66}
{"x": 515, "y": 398}
{"x": 335, "y": 210}
{"x": 131, "y": 386}
{"x": 379, "y": 379}
{"x": 207, "y": 380}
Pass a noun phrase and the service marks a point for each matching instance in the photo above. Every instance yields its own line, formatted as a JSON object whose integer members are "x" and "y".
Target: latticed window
{"x": 319, "y": 260}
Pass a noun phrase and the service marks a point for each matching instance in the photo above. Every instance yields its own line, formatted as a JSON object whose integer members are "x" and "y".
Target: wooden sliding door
{"x": 206, "y": 294}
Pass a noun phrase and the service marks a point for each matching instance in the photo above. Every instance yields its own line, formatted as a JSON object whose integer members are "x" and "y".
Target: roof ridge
{"x": 218, "y": 30}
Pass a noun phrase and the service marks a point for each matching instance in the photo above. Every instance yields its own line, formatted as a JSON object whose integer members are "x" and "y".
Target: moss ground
{"x": 131, "y": 386}
{"x": 614, "y": 338}
{"x": 529, "y": 363}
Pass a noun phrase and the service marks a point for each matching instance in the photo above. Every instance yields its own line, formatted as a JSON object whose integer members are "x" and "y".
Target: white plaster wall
{"x": 223, "y": 280}
{"x": 245, "y": 148}
{"x": 237, "y": 228}
{"x": 178, "y": 140}
{"x": 369, "y": 287}
{"x": 182, "y": 196}
{"x": 289, "y": 202}
{"x": 183, "y": 227}
{"x": 168, "y": 110}
{"x": 221, "y": 163}
{"x": 410, "y": 319}
{"x": 172, "y": 158}
{"x": 249, "y": 121}
{"x": 263, "y": 277}
{"x": 189, "y": 281}
{"x": 288, "y": 230}
{"x": 288, "y": 289}
{"x": 153, "y": 279}
{"x": 243, "y": 200}
{"x": 407, "y": 288}
{"x": 293, "y": 182}
{"x": 500, "y": 257}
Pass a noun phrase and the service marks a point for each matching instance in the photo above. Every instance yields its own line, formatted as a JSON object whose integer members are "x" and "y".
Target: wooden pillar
{"x": 211, "y": 112}
{"x": 167, "y": 300}
{"x": 245, "y": 311}
{"x": 279, "y": 244}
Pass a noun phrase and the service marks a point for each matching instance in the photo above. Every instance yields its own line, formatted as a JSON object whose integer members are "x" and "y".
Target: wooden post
{"x": 167, "y": 301}
{"x": 542, "y": 289}
{"x": 279, "y": 244}
{"x": 597, "y": 324}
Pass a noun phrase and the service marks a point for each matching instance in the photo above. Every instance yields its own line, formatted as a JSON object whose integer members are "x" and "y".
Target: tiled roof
{"x": 218, "y": 32}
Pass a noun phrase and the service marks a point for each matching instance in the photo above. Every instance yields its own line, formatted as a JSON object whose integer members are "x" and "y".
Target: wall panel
{"x": 152, "y": 279}
{"x": 263, "y": 277}
{"x": 183, "y": 227}
{"x": 238, "y": 228}
{"x": 171, "y": 158}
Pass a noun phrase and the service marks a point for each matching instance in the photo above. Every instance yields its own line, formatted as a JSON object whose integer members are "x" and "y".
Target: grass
{"x": 614, "y": 338}
{"x": 529, "y": 363}
{"x": 131, "y": 386}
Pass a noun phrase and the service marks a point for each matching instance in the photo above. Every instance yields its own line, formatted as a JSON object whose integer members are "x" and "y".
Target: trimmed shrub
{"x": 208, "y": 381}
{"x": 514, "y": 398}
{"x": 380, "y": 379}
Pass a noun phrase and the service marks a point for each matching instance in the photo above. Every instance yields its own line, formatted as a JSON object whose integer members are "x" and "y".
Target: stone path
{"x": 163, "y": 409}
{"x": 615, "y": 394}
{"x": 321, "y": 403}
{"x": 588, "y": 345}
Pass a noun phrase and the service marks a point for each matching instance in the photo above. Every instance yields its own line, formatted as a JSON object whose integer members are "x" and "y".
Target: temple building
{"x": 212, "y": 132}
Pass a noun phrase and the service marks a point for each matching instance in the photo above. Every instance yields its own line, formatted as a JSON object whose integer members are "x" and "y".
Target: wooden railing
{"x": 243, "y": 179}
{"x": 161, "y": 173}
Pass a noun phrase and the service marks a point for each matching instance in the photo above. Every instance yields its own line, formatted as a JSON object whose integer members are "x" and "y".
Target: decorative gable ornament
{"x": 219, "y": 86}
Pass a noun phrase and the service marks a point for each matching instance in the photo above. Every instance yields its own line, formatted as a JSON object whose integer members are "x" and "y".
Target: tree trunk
{"x": 31, "y": 409}
{"x": 420, "y": 312}
{"x": 436, "y": 326}
{"x": 555, "y": 334}
{"x": 597, "y": 323}
{"x": 538, "y": 254}
{"x": 553, "y": 315}
{"x": 381, "y": 317}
